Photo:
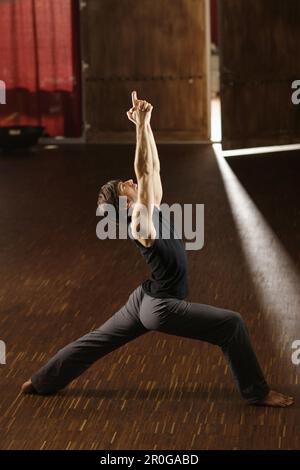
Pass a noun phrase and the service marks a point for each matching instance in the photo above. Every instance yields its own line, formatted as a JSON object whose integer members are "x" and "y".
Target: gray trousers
{"x": 142, "y": 313}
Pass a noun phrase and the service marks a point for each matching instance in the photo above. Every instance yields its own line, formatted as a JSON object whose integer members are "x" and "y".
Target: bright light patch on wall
{"x": 275, "y": 277}
{"x": 216, "y": 128}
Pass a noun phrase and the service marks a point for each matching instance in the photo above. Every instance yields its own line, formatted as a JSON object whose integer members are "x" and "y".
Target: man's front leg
{"x": 75, "y": 358}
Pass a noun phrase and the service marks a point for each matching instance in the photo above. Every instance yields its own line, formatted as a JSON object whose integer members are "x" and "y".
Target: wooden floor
{"x": 58, "y": 281}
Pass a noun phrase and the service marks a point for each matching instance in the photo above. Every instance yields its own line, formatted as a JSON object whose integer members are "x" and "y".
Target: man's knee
{"x": 236, "y": 318}
{"x": 235, "y": 323}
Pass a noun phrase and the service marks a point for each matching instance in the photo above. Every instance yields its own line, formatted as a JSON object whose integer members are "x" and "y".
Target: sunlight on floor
{"x": 266, "y": 256}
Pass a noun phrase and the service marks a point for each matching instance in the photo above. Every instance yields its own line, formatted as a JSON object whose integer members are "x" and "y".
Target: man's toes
{"x": 27, "y": 388}
{"x": 287, "y": 401}
{"x": 281, "y": 401}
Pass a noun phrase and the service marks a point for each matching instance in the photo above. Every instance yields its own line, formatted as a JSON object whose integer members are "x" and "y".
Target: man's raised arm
{"x": 157, "y": 186}
{"x": 142, "y": 224}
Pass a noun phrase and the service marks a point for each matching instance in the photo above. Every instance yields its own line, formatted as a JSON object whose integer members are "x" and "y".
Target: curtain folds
{"x": 40, "y": 64}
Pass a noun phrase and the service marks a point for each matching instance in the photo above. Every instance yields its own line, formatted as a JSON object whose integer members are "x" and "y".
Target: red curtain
{"x": 40, "y": 65}
{"x": 214, "y": 22}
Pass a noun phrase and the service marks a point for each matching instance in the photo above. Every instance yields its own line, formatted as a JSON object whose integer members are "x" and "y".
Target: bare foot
{"x": 28, "y": 388}
{"x": 275, "y": 399}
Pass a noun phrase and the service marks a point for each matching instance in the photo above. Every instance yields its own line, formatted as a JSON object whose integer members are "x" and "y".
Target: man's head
{"x": 110, "y": 192}
{"x": 129, "y": 189}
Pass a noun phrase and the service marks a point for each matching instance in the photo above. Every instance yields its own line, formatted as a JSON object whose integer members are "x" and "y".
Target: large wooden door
{"x": 260, "y": 48}
{"x": 158, "y": 47}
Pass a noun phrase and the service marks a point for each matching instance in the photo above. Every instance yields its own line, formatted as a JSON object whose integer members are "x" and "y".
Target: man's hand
{"x": 141, "y": 110}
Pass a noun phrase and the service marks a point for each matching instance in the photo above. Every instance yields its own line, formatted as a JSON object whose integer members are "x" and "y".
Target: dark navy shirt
{"x": 167, "y": 261}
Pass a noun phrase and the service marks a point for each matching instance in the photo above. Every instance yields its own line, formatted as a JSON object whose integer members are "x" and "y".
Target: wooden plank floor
{"x": 58, "y": 281}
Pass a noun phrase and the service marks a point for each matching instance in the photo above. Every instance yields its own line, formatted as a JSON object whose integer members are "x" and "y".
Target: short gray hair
{"x": 109, "y": 194}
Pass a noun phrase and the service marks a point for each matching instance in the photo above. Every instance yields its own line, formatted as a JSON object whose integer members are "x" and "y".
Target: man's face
{"x": 129, "y": 189}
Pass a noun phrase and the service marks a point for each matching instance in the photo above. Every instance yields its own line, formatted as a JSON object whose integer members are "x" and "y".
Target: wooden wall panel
{"x": 259, "y": 50}
{"x": 169, "y": 114}
{"x": 259, "y": 114}
{"x": 159, "y": 48}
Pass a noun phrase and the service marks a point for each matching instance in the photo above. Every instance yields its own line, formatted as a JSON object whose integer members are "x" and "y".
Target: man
{"x": 159, "y": 303}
